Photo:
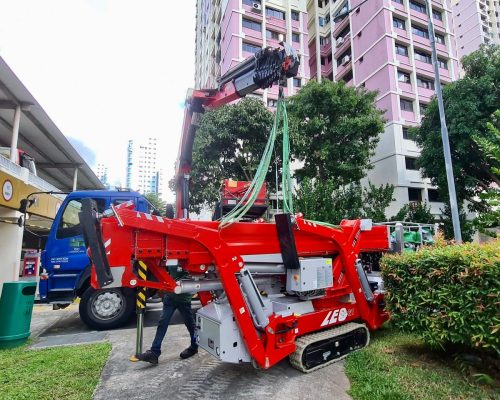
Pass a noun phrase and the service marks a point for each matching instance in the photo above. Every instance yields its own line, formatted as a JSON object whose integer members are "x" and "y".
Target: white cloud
{"x": 105, "y": 70}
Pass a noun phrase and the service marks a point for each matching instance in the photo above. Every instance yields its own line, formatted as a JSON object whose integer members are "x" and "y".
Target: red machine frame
{"x": 130, "y": 236}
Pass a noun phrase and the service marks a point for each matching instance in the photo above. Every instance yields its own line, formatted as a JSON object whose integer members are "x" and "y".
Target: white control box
{"x": 313, "y": 274}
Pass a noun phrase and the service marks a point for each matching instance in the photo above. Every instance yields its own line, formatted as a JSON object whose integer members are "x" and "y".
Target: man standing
{"x": 172, "y": 302}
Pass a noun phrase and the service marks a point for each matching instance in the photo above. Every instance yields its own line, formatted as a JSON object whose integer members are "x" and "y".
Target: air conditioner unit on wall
{"x": 340, "y": 40}
{"x": 345, "y": 60}
{"x": 256, "y": 6}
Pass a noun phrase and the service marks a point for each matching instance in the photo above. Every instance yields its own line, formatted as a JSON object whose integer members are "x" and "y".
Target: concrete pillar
{"x": 75, "y": 179}
{"x": 15, "y": 134}
{"x": 11, "y": 242}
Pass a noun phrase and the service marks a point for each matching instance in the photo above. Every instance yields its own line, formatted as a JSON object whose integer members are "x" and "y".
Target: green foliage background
{"x": 447, "y": 294}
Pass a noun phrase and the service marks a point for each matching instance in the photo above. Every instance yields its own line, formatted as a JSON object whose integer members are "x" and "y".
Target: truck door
{"x": 66, "y": 256}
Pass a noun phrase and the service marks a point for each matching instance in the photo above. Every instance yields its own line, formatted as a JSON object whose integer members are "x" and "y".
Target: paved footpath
{"x": 200, "y": 377}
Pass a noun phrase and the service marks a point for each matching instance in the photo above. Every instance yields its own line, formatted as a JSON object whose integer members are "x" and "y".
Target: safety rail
{"x": 21, "y": 173}
{"x": 11, "y": 167}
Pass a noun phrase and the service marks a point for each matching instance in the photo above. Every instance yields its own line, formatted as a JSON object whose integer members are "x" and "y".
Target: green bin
{"x": 16, "y": 307}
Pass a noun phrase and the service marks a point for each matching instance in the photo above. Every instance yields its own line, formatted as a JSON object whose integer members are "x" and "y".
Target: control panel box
{"x": 219, "y": 335}
{"x": 313, "y": 274}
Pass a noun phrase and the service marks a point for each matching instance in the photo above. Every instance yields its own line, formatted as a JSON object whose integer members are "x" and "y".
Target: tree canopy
{"x": 229, "y": 144}
{"x": 323, "y": 200}
{"x": 335, "y": 130}
{"x": 469, "y": 104}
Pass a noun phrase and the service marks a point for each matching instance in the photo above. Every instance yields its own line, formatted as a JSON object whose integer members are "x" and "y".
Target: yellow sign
{"x": 14, "y": 190}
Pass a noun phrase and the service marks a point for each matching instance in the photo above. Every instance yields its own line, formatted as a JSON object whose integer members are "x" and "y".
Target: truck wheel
{"x": 106, "y": 308}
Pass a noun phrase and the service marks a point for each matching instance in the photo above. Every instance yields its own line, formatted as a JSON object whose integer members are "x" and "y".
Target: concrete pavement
{"x": 200, "y": 377}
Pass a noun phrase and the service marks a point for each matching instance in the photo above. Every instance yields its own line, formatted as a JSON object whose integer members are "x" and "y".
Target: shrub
{"x": 447, "y": 294}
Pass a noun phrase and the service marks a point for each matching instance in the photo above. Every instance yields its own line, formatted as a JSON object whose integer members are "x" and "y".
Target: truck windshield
{"x": 69, "y": 225}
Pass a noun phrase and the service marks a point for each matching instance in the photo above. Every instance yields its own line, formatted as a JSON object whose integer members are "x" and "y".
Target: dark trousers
{"x": 169, "y": 306}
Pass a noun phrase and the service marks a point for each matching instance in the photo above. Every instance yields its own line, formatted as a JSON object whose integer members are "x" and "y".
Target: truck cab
{"x": 66, "y": 266}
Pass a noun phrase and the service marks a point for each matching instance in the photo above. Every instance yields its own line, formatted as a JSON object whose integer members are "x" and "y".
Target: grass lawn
{"x": 68, "y": 373}
{"x": 397, "y": 366}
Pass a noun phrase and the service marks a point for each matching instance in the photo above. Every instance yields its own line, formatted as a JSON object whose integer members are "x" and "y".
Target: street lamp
{"x": 444, "y": 129}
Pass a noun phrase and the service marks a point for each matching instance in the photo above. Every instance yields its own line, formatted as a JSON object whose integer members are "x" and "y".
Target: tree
{"x": 156, "y": 201}
{"x": 419, "y": 213}
{"x": 322, "y": 200}
{"x": 334, "y": 131}
{"x": 229, "y": 144}
{"x": 468, "y": 103}
{"x": 491, "y": 218}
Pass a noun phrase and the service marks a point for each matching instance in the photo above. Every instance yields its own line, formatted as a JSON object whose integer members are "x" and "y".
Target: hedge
{"x": 447, "y": 294}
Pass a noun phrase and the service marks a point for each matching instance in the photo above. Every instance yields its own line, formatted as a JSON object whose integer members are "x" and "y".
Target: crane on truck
{"x": 269, "y": 290}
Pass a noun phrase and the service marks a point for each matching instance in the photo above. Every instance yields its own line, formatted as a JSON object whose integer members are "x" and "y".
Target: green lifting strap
{"x": 253, "y": 190}
{"x": 248, "y": 199}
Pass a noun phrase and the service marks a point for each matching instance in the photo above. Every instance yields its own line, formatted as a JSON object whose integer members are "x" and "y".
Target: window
{"x": 407, "y": 134}
{"x": 271, "y": 12}
{"x": 422, "y": 107}
{"x": 398, "y": 1}
{"x": 327, "y": 18}
{"x": 324, "y": 40}
{"x": 255, "y": 26}
{"x": 437, "y": 15}
{"x": 398, "y": 23}
{"x": 433, "y": 196}
{"x": 295, "y": 37}
{"x": 414, "y": 194}
{"x": 347, "y": 77}
{"x": 401, "y": 50}
{"x": 411, "y": 163}
{"x": 406, "y": 105}
{"x": 321, "y": 21}
{"x": 425, "y": 83}
{"x": 295, "y": 15}
{"x": 249, "y": 2}
{"x": 439, "y": 38}
{"x": 403, "y": 77}
{"x": 323, "y": 60}
{"x": 417, "y": 7}
{"x": 297, "y": 82}
{"x": 273, "y": 35}
{"x": 250, "y": 48}
{"x": 272, "y": 103}
{"x": 424, "y": 57}
{"x": 69, "y": 225}
{"x": 442, "y": 63}
{"x": 420, "y": 32}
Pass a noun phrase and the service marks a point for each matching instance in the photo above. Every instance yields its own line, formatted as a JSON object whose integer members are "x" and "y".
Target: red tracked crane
{"x": 269, "y": 290}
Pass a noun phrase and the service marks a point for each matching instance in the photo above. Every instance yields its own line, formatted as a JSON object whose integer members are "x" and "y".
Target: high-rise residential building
{"x": 384, "y": 45}
{"x": 102, "y": 174}
{"x": 477, "y": 22}
{"x": 229, "y": 31}
{"x": 143, "y": 170}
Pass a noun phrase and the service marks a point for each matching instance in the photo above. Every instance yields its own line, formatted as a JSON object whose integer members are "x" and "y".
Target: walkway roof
{"x": 55, "y": 158}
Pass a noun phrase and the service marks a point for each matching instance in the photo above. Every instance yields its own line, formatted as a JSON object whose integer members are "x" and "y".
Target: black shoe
{"x": 189, "y": 352}
{"x": 149, "y": 357}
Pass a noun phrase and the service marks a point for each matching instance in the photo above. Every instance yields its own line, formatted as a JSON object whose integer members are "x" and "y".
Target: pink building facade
{"x": 384, "y": 46}
{"x": 476, "y": 22}
{"x": 229, "y": 31}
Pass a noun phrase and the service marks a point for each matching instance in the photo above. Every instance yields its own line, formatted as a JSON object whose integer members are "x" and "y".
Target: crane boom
{"x": 261, "y": 71}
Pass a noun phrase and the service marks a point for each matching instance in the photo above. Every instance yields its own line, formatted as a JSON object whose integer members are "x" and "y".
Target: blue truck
{"x": 66, "y": 267}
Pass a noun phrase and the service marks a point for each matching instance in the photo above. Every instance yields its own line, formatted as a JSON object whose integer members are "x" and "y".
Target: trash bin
{"x": 16, "y": 307}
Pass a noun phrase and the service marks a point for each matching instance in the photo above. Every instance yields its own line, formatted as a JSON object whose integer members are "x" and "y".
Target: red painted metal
{"x": 195, "y": 245}
{"x": 199, "y": 245}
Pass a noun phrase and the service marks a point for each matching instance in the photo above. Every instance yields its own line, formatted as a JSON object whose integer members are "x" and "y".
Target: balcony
{"x": 343, "y": 69}
{"x": 340, "y": 26}
{"x": 343, "y": 46}
{"x": 406, "y": 88}
{"x": 425, "y": 94}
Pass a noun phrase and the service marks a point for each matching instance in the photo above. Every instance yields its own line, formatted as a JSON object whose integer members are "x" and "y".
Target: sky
{"x": 105, "y": 71}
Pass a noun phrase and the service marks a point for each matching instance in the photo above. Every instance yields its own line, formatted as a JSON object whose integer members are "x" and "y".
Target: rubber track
{"x": 304, "y": 341}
